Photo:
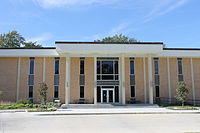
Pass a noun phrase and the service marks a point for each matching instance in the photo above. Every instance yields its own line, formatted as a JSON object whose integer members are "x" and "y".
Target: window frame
{"x": 131, "y": 91}
{"x": 31, "y": 59}
{"x": 29, "y": 91}
{"x": 56, "y": 59}
{"x": 82, "y": 97}
{"x": 55, "y": 91}
{"x": 158, "y": 91}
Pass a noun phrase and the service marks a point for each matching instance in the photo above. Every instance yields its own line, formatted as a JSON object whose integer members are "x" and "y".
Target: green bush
{"x": 23, "y": 101}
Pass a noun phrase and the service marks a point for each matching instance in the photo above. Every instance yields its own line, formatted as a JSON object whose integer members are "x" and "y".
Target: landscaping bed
{"x": 183, "y": 107}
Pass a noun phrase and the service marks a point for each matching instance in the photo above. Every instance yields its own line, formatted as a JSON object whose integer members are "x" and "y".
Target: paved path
{"x": 129, "y": 123}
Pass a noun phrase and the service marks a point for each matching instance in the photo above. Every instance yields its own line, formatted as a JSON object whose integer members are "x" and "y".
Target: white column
{"x": 67, "y": 90}
{"x": 95, "y": 80}
{"x": 122, "y": 80}
{"x": 192, "y": 78}
{"x": 150, "y": 80}
{"x": 44, "y": 70}
{"x": 169, "y": 81}
{"x": 18, "y": 78}
{"x": 145, "y": 84}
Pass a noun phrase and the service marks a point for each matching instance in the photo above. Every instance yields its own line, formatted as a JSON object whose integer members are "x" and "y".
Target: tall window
{"x": 180, "y": 70}
{"x": 107, "y": 70}
{"x": 57, "y": 64}
{"x": 132, "y": 77}
{"x": 157, "y": 78}
{"x": 31, "y": 77}
{"x": 56, "y": 77}
{"x": 82, "y": 77}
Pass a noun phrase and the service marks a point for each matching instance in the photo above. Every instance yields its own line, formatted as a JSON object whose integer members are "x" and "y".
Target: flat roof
{"x": 66, "y": 42}
{"x": 31, "y": 48}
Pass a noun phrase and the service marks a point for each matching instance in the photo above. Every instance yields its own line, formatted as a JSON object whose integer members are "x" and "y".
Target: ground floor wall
{"x": 15, "y": 81}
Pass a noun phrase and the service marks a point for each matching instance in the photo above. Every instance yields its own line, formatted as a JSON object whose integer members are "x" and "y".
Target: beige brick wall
{"x": 8, "y": 78}
{"x": 173, "y": 75}
{"x": 62, "y": 79}
{"x": 127, "y": 79}
{"x": 89, "y": 79}
{"x": 196, "y": 65}
{"x": 74, "y": 79}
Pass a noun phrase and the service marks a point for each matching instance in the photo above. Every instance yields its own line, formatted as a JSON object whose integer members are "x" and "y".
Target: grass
{"x": 183, "y": 107}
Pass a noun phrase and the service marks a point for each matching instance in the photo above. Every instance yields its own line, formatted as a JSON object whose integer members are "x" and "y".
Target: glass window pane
{"x": 81, "y": 91}
{"x": 180, "y": 71}
{"x": 107, "y": 77}
{"x": 132, "y": 91}
{"x": 98, "y": 94}
{"x": 98, "y": 67}
{"x": 31, "y": 66}
{"x": 107, "y": 67}
{"x": 55, "y": 91}
{"x": 116, "y": 94}
{"x": 157, "y": 91}
{"x": 116, "y": 67}
{"x": 156, "y": 66}
{"x": 56, "y": 66}
{"x": 30, "y": 92}
{"x": 82, "y": 66}
{"x": 132, "y": 71}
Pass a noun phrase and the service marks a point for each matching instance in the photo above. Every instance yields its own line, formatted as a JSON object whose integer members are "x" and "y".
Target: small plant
{"x": 24, "y": 101}
{"x": 181, "y": 92}
{"x": 43, "y": 93}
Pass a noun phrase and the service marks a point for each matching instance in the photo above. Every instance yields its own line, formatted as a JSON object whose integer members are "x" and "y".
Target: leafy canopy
{"x": 181, "y": 92}
{"x": 13, "y": 39}
{"x": 117, "y": 38}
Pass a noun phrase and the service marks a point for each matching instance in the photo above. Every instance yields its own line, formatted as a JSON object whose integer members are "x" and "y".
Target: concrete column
{"x": 122, "y": 80}
{"x": 18, "y": 78}
{"x": 95, "y": 80}
{"x": 145, "y": 85}
{"x": 44, "y": 70}
{"x": 150, "y": 80}
{"x": 67, "y": 89}
{"x": 169, "y": 81}
{"x": 192, "y": 78}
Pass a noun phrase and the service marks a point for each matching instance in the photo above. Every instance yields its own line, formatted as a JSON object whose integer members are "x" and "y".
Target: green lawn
{"x": 183, "y": 107}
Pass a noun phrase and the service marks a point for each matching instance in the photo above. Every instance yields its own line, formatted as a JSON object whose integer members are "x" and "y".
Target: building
{"x": 95, "y": 72}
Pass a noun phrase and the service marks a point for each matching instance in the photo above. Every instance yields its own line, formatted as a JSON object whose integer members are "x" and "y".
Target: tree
{"x": 43, "y": 93}
{"x": 15, "y": 40}
{"x": 31, "y": 45}
{"x": 117, "y": 38}
{"x": 181, "y": 92}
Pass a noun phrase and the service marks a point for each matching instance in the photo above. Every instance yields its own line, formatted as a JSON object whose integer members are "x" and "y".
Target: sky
{"x": 176, "y": 23}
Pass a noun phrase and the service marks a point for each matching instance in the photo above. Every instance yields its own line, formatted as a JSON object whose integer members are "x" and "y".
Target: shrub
{"x": 23, "y": 101}
{"x": 43, "y": 93}
{"x": 181, "y": 92}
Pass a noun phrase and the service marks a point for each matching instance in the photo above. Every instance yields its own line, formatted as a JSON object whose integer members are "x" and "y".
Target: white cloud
{"x": 41, "y": 38}
{"x": 68, "y": 3}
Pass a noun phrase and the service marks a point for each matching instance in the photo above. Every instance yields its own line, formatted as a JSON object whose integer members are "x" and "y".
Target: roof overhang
{"x": 102, "y": 49}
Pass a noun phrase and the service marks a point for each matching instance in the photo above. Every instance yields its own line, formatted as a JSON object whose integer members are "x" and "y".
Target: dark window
{"x": 30, "y": 92}
{"x": 157, "y": 91}
{"x": 156, "y": 71}
{"x": 98, "y": 94}
{"x": 116, "y": 94}
{"x": 180, "y": 69}
{"x": 98, "y": 67}
{"x": 116, "y": 67}
{"x": 107, "y": 67}
{"x": 81, "y": 91}
{"x": 82, "y": 64}
{"x": 132, "y": 91}
{"x": 55, "y": 91}
{"x": 57, "y": 61}
{"x": 132, "y": 71}
{"x": 31, "y": 65}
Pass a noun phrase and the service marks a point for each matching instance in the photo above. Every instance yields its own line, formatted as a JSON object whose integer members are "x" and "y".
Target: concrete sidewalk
{"x": 117, "y": 111}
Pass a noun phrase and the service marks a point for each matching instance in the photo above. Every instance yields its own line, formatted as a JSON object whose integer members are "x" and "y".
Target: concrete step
{"x": 93, "y": 106}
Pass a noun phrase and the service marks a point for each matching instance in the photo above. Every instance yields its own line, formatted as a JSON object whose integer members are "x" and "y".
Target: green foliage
{"x": 13, "y": 39}
{"x": 1, "y": 93}
{"x": 24, "y": 101}
{"x": 50, "y": 105}
{"x": 181, "y": 92}
{"x": 117, "y": 38}
{"x": 43, "y": 93}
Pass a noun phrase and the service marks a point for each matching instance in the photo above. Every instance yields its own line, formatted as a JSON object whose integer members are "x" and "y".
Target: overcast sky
{"x": 174, "y": 22}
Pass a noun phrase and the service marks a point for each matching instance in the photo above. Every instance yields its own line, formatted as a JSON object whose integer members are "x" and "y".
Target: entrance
{"x": 107, "y": 95}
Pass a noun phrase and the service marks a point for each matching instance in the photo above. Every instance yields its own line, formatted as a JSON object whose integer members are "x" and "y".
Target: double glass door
{"x": 107, "y": 95}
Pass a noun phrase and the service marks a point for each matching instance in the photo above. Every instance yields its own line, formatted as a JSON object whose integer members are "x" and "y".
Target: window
{"x": 180, "y": 70}
{"x": 107, "y": 70}
{"x": 157, "y": 91}
{"x": 132, "y": 68}
{"x": 132, "y": 91}
{"x": 30, "y": 92}
{"x": 116, "y": 94}
{"x": 98, "y": 94}
{"x": 55, "y": 92}
{"x": 31, "y": 65}
{"x": 57, "y": 63}
{"x": 156, "y": 71}
{"x": 82, "y": 66}
{"x": 81, "y": 91}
